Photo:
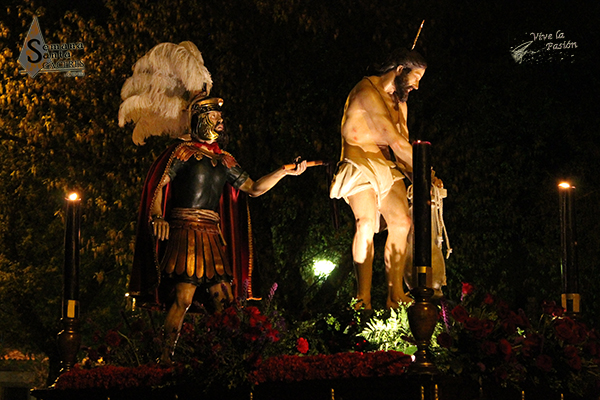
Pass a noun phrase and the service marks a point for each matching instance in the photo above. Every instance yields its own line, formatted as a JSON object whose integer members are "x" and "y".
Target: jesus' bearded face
{"x": 407, "y": 80}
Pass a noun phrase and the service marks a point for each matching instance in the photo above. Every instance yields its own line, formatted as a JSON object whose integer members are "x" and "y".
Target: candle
{"x": 71, "y": 265}
{"x": 422, "y": 211}
{"x": 422, "y": 314}
{"x": 569, "y": 268}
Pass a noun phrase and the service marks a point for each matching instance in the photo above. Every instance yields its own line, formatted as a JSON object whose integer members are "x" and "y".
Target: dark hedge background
{"x": 503, "y": 133}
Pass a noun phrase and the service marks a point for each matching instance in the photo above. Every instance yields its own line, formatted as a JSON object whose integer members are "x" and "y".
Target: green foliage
{"x": 390, "y": 331}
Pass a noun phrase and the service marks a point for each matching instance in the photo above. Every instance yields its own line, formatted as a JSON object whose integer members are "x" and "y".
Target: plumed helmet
{"x": 156, "y": 98}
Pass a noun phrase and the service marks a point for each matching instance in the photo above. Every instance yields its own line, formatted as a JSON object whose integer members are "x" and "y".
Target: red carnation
{"x": 302, "y": 345}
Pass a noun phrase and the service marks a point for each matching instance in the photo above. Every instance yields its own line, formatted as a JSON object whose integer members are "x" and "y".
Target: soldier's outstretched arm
{"x": 264, "y": 184}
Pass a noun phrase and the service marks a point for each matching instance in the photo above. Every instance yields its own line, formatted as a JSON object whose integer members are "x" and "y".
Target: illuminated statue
{"x": 376, "y": 157}
{"x": 180, "y": 202}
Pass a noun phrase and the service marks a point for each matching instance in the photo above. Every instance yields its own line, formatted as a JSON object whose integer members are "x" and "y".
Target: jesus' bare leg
{"x": 394, "y": 208}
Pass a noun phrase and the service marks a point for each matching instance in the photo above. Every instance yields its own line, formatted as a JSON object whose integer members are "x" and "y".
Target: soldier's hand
{"x": 300, "y": 168}
{"x": 160, "y": 228}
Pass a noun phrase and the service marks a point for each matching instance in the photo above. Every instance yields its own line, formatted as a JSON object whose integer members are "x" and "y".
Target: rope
{"x": 437, "y": 204}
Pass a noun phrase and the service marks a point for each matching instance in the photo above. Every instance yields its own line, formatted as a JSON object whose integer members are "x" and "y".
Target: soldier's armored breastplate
{"x": 198, "y": 184}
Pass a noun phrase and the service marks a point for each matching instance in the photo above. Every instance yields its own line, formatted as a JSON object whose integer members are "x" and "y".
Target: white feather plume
{"x": 156, "y": 97}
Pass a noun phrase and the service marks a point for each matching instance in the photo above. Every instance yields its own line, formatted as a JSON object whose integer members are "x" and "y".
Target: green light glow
{"x": 322, "y": 268}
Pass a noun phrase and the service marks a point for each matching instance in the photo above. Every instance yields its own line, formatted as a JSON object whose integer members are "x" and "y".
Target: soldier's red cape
{"x": 145, "y": 282}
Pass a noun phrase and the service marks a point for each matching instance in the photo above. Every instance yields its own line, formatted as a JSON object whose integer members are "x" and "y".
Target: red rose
{"x": 574, "y": 363}
{"x": 510, "y": 322}
{"x": 252, "y": 310}
{"x": 503, "y": 309}
{"x": 485, "y": 327}
{"x": 564, "y": 328}
{"x": 489, "y": 348}
{"x": 579, "y": 333}
{"x": 501, "y": 374}
{"x": 467, "y": 289}
{"x": 550, "y": 308}
{"x": 113, "y": 339}
{"x": 570, "y": 352}
{"x": 531, "y": 344}
{"x": 273, "y": 335}
{"x": 444, "y": 340}
{"x": 460, "y": 314}
{"x": 544, "y": 362}
{"x": 302, "y": 345}
{"x": 505, "y": 348}
{"x": 473, "y": 324}
{"x": 488, "y": 299}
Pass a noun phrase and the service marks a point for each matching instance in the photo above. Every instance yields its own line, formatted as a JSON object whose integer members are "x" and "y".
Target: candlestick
{"x": 69, "y": 339}
{"x": 422, "y": 314}
{"x": 71, "y": 265}
{"x": 569, "y": 268}
{"x": 422, "y": 212}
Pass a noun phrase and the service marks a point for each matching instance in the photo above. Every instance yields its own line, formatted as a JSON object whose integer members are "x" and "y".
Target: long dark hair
{"x": 408, "y": 59}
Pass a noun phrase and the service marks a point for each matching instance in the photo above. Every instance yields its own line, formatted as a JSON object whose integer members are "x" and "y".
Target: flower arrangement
{"x": 288, "y": 368}
{"x": 487, "y": 342}
{"x": 133, "y": 343}
{"x": 114, "y": 377}
{"x": 224, "y": 347}
{"x": 479, "y": 339}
